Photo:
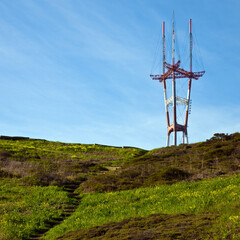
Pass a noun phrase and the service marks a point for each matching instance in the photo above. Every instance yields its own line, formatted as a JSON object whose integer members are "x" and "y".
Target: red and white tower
{"x": 174, "y": 72}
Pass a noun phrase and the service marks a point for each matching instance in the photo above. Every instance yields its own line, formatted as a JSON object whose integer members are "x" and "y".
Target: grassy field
{"x": 184, "y": 192}
{"x": 40, "y": 162}
{"x": 219, "y": 196}
{"x": 216, "y": 157}
{"x": 25, "y": 210}
{"x": 155, "y": 226}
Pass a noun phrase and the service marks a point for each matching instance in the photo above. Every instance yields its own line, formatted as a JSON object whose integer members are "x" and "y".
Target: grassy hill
{"x": 51, "y": 190}
{"x": 215, "y": 157}
{"x": 41, "y": 162}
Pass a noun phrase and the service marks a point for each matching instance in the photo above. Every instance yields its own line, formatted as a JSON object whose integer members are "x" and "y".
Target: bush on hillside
{"x": 133, "y": 177}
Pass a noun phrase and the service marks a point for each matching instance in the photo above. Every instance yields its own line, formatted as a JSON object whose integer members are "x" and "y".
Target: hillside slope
{"x": 206, "y": 173}
{"x": 34, "y": 172}
{"x": 156, "y": 226}
{"x": 215, "y": 157}
{"x": 41, "y": 162}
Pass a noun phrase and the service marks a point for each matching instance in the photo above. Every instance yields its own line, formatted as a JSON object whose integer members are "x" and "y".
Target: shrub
{"x": 4, "y": 155}
{"x": 4, "y": 174}
{"x": 173, "y": 173}
{"x": 166, "y": 175}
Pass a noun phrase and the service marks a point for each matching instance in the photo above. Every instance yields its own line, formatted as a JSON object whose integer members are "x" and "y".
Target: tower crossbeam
{"x": 178, "y": 73}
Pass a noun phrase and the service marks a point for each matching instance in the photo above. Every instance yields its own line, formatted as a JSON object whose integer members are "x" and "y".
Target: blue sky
{"x": 78, "y": 70}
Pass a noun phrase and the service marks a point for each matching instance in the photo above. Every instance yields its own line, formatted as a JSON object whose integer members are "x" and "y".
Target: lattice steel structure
{"x": 175, "y": 72}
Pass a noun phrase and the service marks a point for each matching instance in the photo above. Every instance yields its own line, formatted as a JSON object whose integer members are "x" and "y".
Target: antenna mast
{"x": 164, "y": 83}
{"x": 174, "y": 87}
{"x": 190, "y": 80}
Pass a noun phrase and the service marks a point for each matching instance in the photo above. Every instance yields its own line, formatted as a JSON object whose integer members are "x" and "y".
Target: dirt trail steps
{"x": 68, "y": 211}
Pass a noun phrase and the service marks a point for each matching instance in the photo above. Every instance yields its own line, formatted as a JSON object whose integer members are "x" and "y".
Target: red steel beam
{"x": 178, "y": 73}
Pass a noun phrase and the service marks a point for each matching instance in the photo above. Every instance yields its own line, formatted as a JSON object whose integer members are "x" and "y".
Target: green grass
{"x": 26, "y": 207}
{"x": 33, "y": 150}
{"x": 218, "y": 195}
{"x": 155, "y": 226}
{"x": 41, "y": 162}
{"x": 172, "y": 164}
{"x": 26, "y": 210}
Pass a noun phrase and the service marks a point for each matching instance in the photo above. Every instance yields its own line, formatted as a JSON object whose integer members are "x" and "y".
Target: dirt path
{"x": 69, "y": 210}
{"x": 70, "y": 188}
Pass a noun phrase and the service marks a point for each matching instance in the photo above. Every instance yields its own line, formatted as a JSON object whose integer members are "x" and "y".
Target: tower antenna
{"x": 175, "y": 72}
{"x": 174, "y": 87}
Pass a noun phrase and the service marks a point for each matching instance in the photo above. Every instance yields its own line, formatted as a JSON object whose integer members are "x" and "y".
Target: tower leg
{"x": 174, "y": 138}
{"x": 174, "y": 111}
{"x": 168, "y": 140}
{"x": 186, "y": 138}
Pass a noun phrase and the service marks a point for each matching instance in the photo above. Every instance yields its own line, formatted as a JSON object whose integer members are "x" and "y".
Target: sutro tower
{"x": 175, "y": 72}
